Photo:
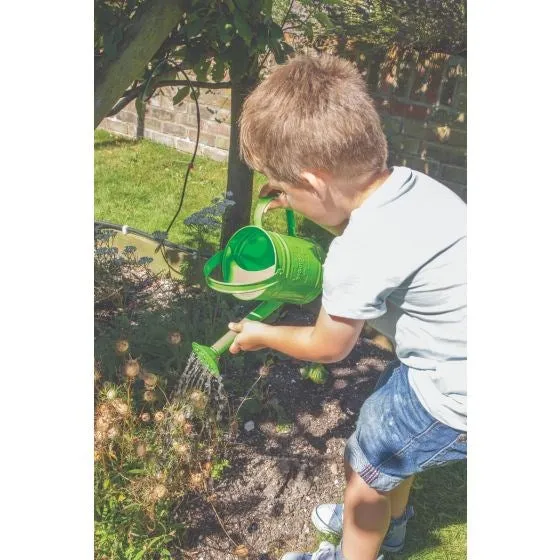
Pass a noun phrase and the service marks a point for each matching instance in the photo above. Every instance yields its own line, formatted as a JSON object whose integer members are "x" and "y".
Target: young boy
{"x": 399, "y": 261}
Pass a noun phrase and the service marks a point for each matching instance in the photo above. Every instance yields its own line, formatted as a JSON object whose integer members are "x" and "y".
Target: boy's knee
{"x": 357, "y": 488}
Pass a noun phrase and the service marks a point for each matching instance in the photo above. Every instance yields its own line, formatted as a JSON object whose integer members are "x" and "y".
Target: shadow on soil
{"x": 271, "y": 473}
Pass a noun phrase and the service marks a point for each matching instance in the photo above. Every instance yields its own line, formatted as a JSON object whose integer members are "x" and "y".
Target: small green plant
{"x": 218, "y": 468}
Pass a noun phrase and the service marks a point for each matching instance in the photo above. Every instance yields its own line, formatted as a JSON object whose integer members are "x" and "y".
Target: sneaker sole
{"x": 321, "y": 526}
{"x": 393, "y": 549}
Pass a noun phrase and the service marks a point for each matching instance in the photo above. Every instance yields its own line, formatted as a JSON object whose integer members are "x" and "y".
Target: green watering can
{"x": 265, "y": 266}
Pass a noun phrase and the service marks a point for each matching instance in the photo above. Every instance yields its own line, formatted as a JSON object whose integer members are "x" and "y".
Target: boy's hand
{"x": 250, "y": 337}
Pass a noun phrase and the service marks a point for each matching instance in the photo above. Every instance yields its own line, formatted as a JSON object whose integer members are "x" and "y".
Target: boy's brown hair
{"x": 313, "y": 113}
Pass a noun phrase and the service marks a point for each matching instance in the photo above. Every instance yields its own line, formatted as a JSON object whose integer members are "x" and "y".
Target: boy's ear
{"x": 316, "y": 182}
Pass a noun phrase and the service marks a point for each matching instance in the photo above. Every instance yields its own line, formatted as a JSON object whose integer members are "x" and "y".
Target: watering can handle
{"x": 260, "y": 209}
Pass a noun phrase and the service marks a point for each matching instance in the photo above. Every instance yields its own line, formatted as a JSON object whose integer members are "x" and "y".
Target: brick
{"x": 444, "y": 154}
{"x": 444, "y": 134}
{"x": 400, "y": 143}
{"x": 454, "y": 174}
{"x": 408, "y": 110}
{"x": 461, "y": 102}
{"x": 209, "y": 96}
{"x": 392, "y": 125}
{"x": 414, "y": 128}
{"x": 223, "y": 115}
{"x": 115, "y": 125}
{"x": 185, "y": 145}
{"x": 212, "y": 127}
{"x": 450, "y": 117}
{"x": 186, "y": 119}
{"x": 458, "y": 189}
{"x": 429, "y": 167}
{"x": 214, "y": 153}
{"x": 222, "y": 142}
{"x": 174, "y": 129}
{"x": 155, "y": 100}
{"x": 208, "y": 139}
{"x": 153, "y": 124}
{"x": 166, "y": 100}
{"x": 161, "y": 114}
{"x": 160, "y": 138}
{"x": 128, "y": 116}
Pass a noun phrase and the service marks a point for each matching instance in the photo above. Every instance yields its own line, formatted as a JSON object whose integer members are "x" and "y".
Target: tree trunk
{"x": 143, "y": 40}
{"x": 239, "y": 176}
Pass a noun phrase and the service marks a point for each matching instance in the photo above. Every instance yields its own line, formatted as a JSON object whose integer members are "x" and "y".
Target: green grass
{"x": 438, "y": 531}
{"x": 138, "y": 183}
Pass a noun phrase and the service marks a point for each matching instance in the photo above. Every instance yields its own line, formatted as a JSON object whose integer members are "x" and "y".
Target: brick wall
{"x": 175, "y": 125}
{"x": 422, "y": 102}
{"x": 423, "y": 105}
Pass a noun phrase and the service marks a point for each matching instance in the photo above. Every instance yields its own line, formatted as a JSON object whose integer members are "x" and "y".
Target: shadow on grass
{"x": 113, "y": 142}
{"x": 439, "y": 497}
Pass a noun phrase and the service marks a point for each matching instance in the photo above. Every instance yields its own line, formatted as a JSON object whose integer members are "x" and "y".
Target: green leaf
{"x": 194, "y": 27}
{"x": 267, "y": 8}
{"x": 180, "y": 95}
{"x": 323, "y": 19}
{"x": 218, "y": 71}
{"x": 243, "y": 28}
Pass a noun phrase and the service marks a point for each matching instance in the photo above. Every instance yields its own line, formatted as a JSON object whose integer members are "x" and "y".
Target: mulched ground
{"x": 264, "y": 501}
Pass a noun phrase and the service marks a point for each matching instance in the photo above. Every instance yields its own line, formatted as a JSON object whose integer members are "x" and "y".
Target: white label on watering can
{"x": 241, "y": 276}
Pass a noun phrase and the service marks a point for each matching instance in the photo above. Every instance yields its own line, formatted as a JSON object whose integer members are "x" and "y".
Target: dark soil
{"x": 283, "y": 468}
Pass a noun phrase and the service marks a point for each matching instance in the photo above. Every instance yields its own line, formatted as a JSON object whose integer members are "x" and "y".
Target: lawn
{"x": 139, "y": 183}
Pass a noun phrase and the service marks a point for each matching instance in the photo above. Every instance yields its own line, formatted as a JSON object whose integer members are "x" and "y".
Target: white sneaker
{"x": 326, "y": 551}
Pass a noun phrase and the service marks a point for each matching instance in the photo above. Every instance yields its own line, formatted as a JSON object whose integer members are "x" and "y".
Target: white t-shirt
{"x": 401, "y": 265}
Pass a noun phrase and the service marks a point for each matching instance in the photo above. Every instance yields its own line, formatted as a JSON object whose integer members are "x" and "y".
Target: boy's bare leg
{"x": 399, "y": 497}
{"x": 367, "y": 513}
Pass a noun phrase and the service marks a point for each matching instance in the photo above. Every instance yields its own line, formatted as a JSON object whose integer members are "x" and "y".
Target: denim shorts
{"x": 396, "y": 437}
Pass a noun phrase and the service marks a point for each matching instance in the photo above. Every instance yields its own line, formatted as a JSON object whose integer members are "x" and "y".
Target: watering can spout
{"x": 209, "y": 355}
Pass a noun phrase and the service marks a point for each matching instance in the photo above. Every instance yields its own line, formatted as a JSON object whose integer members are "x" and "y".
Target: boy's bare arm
{"x": 330, "y": 340}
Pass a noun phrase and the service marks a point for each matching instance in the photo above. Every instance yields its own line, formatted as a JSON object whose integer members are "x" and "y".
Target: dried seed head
{"x": 145, "y": 417}
{"x": 113, "y": 432}
{"x": 100, "y": 436}
{"x": 103, "y": 410}
{"x": 198, "y": 399}
{"x": 264, "y": 371}
{"x": 103, "y": 423}
{"x": 159, "y": 491}
{"x": 207, "y": 468}
{"x": 149, "y": 396}
{"x": 159, "y": 416}
{"x": 131, "y": 369}
{"x": 97, "y": 376}
{"x": 121, "y": 407}
{"x": 187, "y": 428}
{"x": 179, "y": 418}
{"x": 141, "y": 450}
{"x": 150, "y": 380}
{"x": 174, "y": 338}
{"x": 181, "y": 449}
{"x": 196, "y": 480}
{"x": 121, "y": 346}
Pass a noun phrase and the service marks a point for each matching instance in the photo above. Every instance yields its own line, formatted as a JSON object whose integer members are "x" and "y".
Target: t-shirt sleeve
{"x": 355, "y": 288}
